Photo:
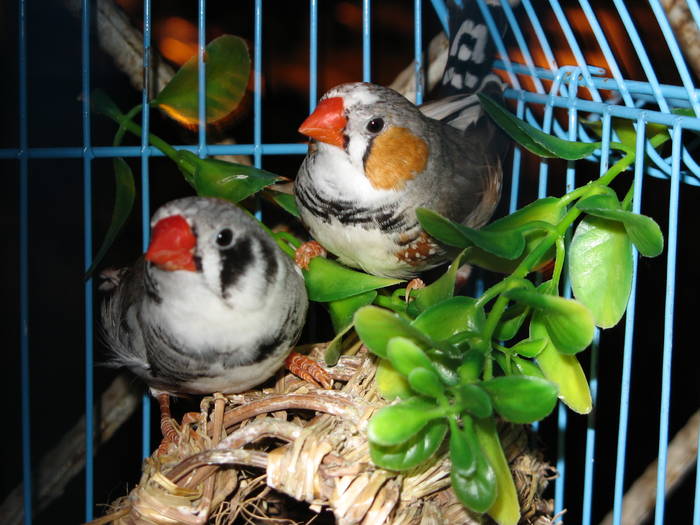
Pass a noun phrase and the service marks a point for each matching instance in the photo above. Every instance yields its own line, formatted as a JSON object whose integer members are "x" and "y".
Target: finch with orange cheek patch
{"x": 375, "y": 157}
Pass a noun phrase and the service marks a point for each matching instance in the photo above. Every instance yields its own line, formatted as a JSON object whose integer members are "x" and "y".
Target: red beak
{"x": 172, "y": 245}
{"x": 327, "y": 122}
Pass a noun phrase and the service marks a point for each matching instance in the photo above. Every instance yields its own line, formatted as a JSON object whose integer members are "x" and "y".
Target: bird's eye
{"x": 224, "y": 238}
{"x": 375, "y": 125}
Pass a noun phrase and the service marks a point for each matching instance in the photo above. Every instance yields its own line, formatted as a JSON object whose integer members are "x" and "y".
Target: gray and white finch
{"x": 213, "y": 306}
{"x": 374, "y": 157}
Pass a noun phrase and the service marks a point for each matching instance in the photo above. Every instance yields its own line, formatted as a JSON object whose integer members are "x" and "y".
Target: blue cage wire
{"x": 542, "y": 87}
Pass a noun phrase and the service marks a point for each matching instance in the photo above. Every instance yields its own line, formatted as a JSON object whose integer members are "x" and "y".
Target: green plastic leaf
{"x": 227, "y": 71}
{"x": 124, "y": 194}
{"x": 546, "y": 209}
{"x": 283, "y": 200}
{"x": 514, "y": 365}
{"x": 563, "y": 370}
{"x": 464, "y": 340}
{"x": 472, "y": 366}
{"x": 426, "y": 382}
{"x": 327, "y": 280}
{"x": 521, "y": 399}
{"x": 103, "y": 104}
{"x": 342, "y": 311}
{"x": 463, "y": 447}
{"x": 390, "y": 383}
{"x": 626, "y": 131}
{"x": 505, "y": 509}
{"x": 530, "y": 220}
{"x": 445, "y": 365}
{"x": 377, "y": 326}
{"x": 473, "y": 399}
{"x": 533, "y": 139}
{"x": 405, "y": 356}
{"x": 478, "y": 489}
{"x": 600, "y": 268}
{"x": 224, "y": 180}
{"x": 443, "y": 288}
{"x": 334, "y": 348}
{"x": 449, "y": 317}
{"x": 510, "y": 322}
{"x": 395, "y": 424}
{"x": 643, "y": 231}
{"x": 569, "y": 323}
{"x": 507, "y": 244}
{"x": 606, "y": 200}
{"x": 412, "y": 452}
{"x": 529, "y": 347}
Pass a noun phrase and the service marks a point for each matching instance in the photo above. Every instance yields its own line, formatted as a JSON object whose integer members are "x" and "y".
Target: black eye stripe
{"x": 234, "y": 262}
{"x": 197, "y": 262}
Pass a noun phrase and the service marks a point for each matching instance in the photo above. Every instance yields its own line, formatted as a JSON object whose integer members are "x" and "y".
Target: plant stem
{"x": 626, "y": 202}
{"x": 387, "y": 302}
{"x": 567, "y": 199}
{"x": 558, "y": 261}
{"x": 124, "y": 121}
{"x": 500, "y": 287}
{"x": 126, "y": 118}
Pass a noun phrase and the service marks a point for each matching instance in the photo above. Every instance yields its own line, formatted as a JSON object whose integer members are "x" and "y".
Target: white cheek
{"x": 357, "y": 147}
{"x": 335, "y": 176}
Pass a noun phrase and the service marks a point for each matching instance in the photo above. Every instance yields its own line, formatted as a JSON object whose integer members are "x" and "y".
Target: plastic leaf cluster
{"x": 456, "y": 365}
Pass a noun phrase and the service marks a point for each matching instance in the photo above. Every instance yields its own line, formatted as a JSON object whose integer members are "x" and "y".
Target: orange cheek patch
{"x": 397, "y": 156}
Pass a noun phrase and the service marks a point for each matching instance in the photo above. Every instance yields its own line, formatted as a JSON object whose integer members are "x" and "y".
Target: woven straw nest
{"x": 310, "y": 445}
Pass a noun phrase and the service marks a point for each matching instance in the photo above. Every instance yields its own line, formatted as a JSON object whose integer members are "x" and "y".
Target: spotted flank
{"x": 419, "y": 250}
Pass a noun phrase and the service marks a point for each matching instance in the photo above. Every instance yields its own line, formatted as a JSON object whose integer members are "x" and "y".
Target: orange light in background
{"x": 176, "y": 51}
{"x": 177, "y": 39}
{"x": 349, "y": 14}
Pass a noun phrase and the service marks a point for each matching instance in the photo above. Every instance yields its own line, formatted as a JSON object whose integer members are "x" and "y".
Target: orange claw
{"x": 166, "y": 424}
{"x": 413, "y": 284}
{"x": 306, "y": 252}
{"x": 308, "y": 369}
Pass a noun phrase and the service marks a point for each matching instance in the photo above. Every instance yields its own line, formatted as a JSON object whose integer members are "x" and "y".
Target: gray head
{"x": 212, "y": 241}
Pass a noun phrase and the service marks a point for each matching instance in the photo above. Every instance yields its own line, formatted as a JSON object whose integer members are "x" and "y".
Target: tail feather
{"x": 471, "y": 49}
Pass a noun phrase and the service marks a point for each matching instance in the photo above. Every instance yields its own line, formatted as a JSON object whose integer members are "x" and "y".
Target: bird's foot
{"x": 413, "y": 284}
{"x": 167, "y": 428}
{"x": 171, "y": 435}
{"x": 308, "y": 369}
{"x": 306, "y": 252}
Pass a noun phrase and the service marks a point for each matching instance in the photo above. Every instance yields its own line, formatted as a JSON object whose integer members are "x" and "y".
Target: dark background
{"x": 56, "y": 225}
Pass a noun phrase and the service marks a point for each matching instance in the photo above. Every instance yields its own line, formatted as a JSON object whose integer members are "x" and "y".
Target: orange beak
{"x": 172, "y": 245}
{"x": 327, "y": 122}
